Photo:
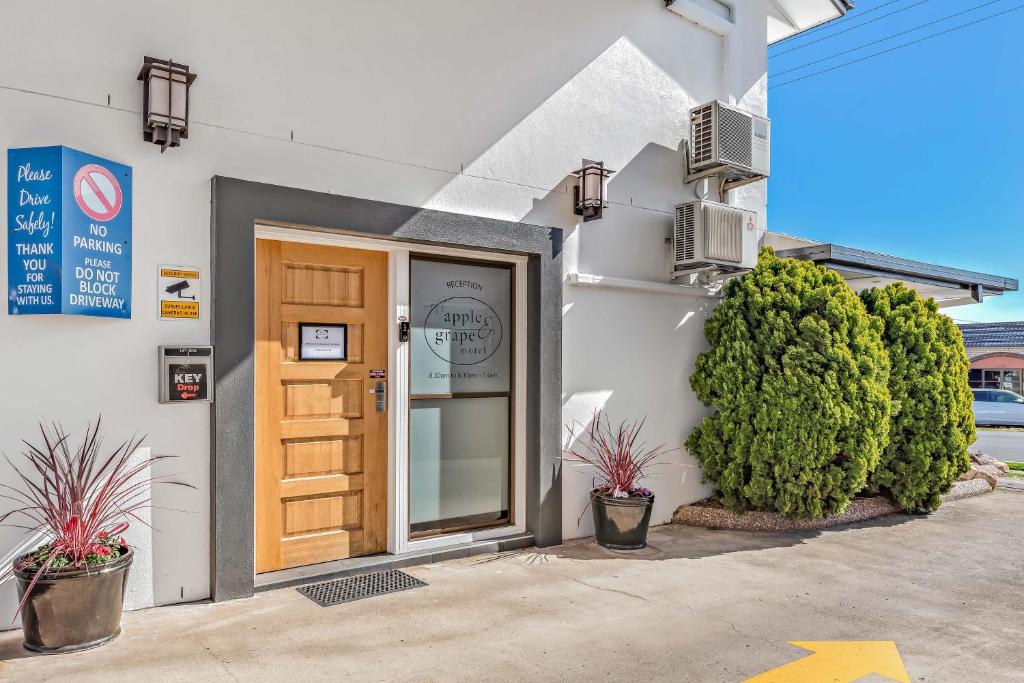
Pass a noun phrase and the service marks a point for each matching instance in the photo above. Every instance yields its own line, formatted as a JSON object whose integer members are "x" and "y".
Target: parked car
{"x": 998, "y": 407}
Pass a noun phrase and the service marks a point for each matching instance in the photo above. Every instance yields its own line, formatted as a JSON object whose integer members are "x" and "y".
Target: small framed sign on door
{"x": 320, "y": 341}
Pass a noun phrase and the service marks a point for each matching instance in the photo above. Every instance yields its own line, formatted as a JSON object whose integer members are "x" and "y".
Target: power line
{"x": 852, "y": 28}
{"x": 893, "y": 49}
{"x": 882, "y": 40}
{"x": 834, "y": 22}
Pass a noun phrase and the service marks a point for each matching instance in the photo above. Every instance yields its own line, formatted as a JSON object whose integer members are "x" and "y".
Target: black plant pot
{"x": 621, "y": 523}
{"x": 73, "y": 609}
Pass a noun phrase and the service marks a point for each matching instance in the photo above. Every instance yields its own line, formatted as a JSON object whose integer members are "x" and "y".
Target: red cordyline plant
{"x": 619, "y": 459}
{"x": 78, "y": 498}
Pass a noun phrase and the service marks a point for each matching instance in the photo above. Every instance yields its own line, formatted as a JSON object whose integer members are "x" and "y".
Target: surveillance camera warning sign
{"x": 179, "y": 292}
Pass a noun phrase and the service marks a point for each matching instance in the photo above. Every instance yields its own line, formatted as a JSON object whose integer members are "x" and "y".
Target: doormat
{"x": 358, "y": 587}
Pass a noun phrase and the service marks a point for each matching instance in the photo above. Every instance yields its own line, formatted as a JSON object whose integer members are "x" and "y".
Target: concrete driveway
{"x": 1001, "y": 444}
{"x": 697, "y": 606}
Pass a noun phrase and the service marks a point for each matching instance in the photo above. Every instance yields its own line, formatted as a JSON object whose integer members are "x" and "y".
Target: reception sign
{"x": 69, "y": 233}
{"x": 461, "y": 323}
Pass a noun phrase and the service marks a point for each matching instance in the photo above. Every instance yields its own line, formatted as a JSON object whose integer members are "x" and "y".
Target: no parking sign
{"x": 97, "y": 192}
{"x": 69, "y": 245}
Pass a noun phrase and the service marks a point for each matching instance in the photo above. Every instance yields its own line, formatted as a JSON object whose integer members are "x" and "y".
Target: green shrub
{"x": 932, "y": 423}
{"x": 798, "y": 376}
{"x": 1018, "y": 466}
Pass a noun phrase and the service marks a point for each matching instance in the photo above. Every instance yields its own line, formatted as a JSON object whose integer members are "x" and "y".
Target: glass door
{"x": 460, "y": 444}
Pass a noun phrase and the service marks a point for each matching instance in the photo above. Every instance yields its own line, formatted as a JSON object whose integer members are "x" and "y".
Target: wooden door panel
{"x": 296, "y": 552}
{"x": 322, "y": 285}
{"x": 323, "y": 398}
{"x": 323, "y": 456}
{"x": 321, "y": 445}
{"x": 327, "y": 512}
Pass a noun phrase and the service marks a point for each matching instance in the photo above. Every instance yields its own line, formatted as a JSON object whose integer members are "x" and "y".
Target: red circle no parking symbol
{"x": 97, "y": 192}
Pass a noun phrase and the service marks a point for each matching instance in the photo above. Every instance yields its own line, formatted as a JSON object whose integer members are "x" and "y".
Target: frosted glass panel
{"x": 461, "y": 327}
{"x": 459, "y": 467}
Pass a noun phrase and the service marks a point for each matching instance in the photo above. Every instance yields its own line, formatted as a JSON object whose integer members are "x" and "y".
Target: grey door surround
{"x": 237, "y": 206}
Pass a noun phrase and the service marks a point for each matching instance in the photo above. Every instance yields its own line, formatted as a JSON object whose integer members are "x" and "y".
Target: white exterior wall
{"x": 480, "y": 108}
{"x": 630, "y": 352}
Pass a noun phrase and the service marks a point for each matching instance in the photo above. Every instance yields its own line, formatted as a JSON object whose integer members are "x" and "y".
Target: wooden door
{"x": 321, "y": 443}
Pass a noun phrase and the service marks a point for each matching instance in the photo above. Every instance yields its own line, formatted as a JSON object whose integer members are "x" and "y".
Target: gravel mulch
{"x": 710, "y": 515}
{"x": 966, "y": 489}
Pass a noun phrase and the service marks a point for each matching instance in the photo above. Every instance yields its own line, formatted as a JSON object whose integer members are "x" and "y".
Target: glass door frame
{"x": 509, "y": 394}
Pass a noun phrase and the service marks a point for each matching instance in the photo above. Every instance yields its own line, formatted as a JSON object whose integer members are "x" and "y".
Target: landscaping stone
{"x": 982, "y": 459}
{"x": 987, "y": 472}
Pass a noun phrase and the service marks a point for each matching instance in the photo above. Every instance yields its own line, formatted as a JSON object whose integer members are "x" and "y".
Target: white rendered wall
{"x": 631, "y": 352}
{"x": 482, "y": 108}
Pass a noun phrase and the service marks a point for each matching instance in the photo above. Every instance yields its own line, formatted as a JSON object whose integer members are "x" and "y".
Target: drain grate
{"x": 358, "y": 587}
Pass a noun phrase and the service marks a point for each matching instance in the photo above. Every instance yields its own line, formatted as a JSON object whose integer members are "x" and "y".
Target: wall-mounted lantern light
{"x": 589, "y": 193}
{"x": 165, "y": 101}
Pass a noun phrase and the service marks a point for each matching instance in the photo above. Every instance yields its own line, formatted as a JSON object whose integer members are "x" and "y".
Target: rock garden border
{"x": 709, "y": 514}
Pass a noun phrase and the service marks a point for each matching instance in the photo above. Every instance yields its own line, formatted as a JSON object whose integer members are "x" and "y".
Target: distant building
{"x": 996, "y": 351}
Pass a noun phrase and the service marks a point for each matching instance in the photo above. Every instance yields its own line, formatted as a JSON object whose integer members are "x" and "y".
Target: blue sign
{"x": 69, "y": 245}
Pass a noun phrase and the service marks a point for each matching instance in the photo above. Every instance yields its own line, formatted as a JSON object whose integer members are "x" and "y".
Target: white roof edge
{"x": 797, "y": 16}
{"x": 781, "y": 240}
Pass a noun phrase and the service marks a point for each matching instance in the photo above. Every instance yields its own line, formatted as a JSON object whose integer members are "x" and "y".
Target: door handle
{"x": 380, "y": 393}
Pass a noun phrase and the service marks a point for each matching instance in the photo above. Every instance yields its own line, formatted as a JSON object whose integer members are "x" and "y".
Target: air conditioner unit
{"x": 711, "y": 236}
{"x": 729, "y": 139}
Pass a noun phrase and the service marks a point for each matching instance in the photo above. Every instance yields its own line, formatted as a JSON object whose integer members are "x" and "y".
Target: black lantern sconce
{"x": 165, "y": 103}
{"x": 589, "y": 193}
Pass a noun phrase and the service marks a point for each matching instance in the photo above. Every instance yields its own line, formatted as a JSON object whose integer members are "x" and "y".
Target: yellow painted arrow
{"x": 839, "y": 661}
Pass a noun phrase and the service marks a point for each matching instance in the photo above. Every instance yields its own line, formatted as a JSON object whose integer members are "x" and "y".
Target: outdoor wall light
{"x": 589, "y": 193}
{"x": 165, "y": 101}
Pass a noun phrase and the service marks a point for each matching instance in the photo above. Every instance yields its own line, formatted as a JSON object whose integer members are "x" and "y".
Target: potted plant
{"x": 621, "y": 506}
{"x": 71, "y": 588}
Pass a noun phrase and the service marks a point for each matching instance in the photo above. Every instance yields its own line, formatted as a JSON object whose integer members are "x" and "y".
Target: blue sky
{"x": 917, "y": 153}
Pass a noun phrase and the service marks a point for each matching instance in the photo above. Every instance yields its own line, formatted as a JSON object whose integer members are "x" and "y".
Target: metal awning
{"x": 866, "y": 269}
{"x": 786, "y": 18}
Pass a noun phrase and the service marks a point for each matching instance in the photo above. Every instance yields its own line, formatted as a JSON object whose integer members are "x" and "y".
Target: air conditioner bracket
{"x": 728, "y": 180}
{"x": 706, "y": 274}
{"x": 706, "y": 173}
{"x": 740, "y": 182}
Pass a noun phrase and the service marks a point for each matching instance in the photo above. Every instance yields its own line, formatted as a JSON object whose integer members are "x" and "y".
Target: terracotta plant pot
{"x": 73, "y": 609}
{"x": 621, "y": 523}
